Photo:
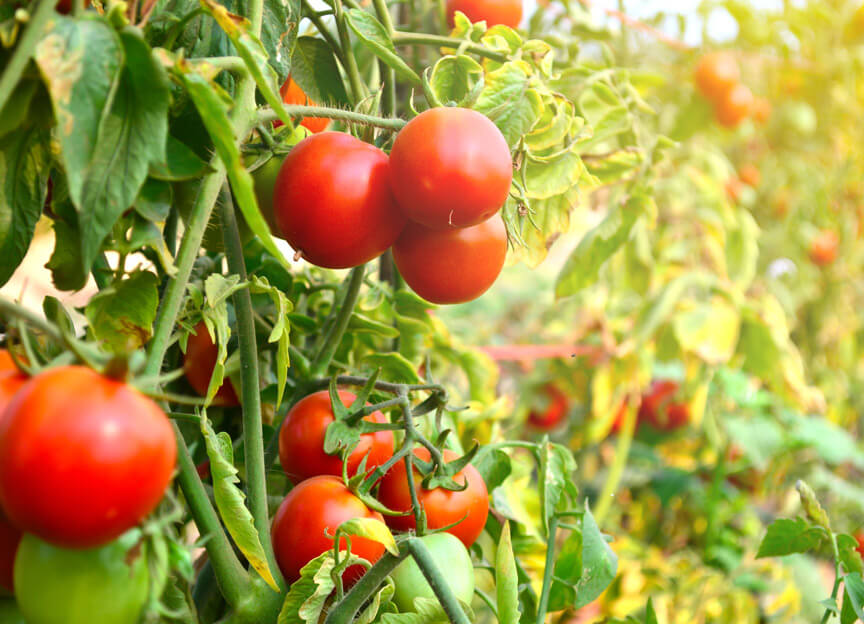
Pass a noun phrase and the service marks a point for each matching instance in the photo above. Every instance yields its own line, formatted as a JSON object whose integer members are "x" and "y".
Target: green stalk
{"x": 256, "y": 16}
{"x": 322, "y": 361}
{"x": 343, "y": 612}
{"x": 189, "y": 248}
{"x": 233, "y": 580}
{"x": 388, "y": 103}
{"x": 24, "y": 51}
{"x": 324, "y": 31}
{"x": 836, "y": 588}
{"x": 14, "y": 310}
{"x": 437, "y": 581}
{"x": 253, "y": 437}
{"x": 548, "y": 571}
{"x": 297, "y": 110}
{"x": 622, "y": 451}
{"x": 357, "y": 90}
{"x": 408, "y": 38}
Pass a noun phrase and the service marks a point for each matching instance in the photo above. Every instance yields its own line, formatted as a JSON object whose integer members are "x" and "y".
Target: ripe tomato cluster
{"x": 718, "y": 78}
{"x": 83, "y": 459}
{"x": 303, "y": 527}
{"x": 435, "y": 200}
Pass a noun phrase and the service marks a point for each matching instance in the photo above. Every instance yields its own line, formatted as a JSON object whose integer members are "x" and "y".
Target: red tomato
{"x": 823, "y": 248}
{"x": 301, "y": 440}
{"x": 293, "y": 94}
{"x": 554, "y": 412}
{"x": 469, "y": 508}
{"x": 11, "y": 379}
{"x": 716, "y": 73}
{"x": 451, "y": 266}
{"x": 315, "y": 507}
{"x": 507, "y": 12}
{"x": 450, "y": 167}
{"x": 733, "y": 107}
{"x": 198, "y": 364}
{"x": 859, "y": 537}
{"x": 333, "y": 203}
{"x": 750, "y": 175}
{"x": 10, "y": 537}
{"x": 660, "y": 409}
{"x": 83, "y": 458}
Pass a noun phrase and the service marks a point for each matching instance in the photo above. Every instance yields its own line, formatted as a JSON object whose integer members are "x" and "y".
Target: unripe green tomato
{"x": 9, "y": 613}
{"x": 104, "y": 585}
{"x": 452, "y": 559}
{"x": 264, "y": 178}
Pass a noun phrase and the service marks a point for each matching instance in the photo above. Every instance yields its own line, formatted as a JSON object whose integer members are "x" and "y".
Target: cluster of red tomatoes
{"x": 719, "y": 79}
{"x": 304, "y": 525}
{"x": 660, "y": 407}
{"x": 83, "y": 460}
{"x": 435, "y": 200}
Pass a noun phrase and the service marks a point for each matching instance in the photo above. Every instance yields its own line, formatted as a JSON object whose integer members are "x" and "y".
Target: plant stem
{"x": 253, "y": 438}
{"x": 548, "y": 571}
{"x": 256, "y": 16}
{"x": 189, "y": 248}
{"x": 835, "y": 590}
{"x": 437, "y": 581}
{"x": 233, "y": 64}
{"x": 357, "y": 90}
{"x": 232, "y": 578}
{"x": 323, "y": 30}
{"x": 12, "y": 309}
{"x": 334, "y": 337}
{"x": 343, "y": 612}
{"x": 24, "y": 51}
{"x": 267, "y": 115}
{"x": 622, "y": 450}
{"x": 409, "y": 38}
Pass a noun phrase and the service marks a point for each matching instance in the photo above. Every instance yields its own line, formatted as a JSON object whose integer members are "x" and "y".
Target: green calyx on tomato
{"x": 104, "y": 585}
{"x": 301, "y": 440}
{"x": 452, "y": 559}
{"x": 83, "y": 458}
{"x": 464, "y": 511}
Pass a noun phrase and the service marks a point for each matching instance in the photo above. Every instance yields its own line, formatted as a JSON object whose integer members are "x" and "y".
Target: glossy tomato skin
{"x": 554, "y": 412}
{"x": 661, "y": 407}
{"x": 198, "y": 364}
{"x": 301, "y": 440}
{"x": 717, "y": 73}
{"x": 293, "y": 94}
{"x": 450, "y": 167}
{"x": 314, "y": 506}
{"x": 83, "y": 458}
{"x": 10, "y": 537}
{"x": 469, "y": 508}
{"x": 451, "y": 266}
{"x": 823, "y": 248}
{"x": 506, "y": 12}
{"x": 103, "y": 585}
{"x": 11, "y": 380}
{"x": 333, "y": 202}
{"x": 451, "y": 557}
{"x": 735, "y": 106}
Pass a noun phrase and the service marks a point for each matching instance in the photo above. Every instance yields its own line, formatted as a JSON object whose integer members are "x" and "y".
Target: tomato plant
{"x": 79, "y": 469}
{"x": 332, "y": 201}
{"x": 465, "y": 509}
{"x": 304, "y": 524}
{"x": 449, "y": 554}
{"x": 198, "y": 364}
{"x": 452, "y": 265}
{"x": 108, "y": 584}
{"x": 450, "y": 167}
{"x": 301, "y": 440}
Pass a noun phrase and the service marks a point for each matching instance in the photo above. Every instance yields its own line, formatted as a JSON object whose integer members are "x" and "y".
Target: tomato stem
{"x": 343, "y": 612}
{"x": 409, "y": 38}
{"x": 357, "y": 87}
{"x": 548, "y": 571}
{"x": 622, "y": 451}
{"x": 253, "y": 437}
{"x": 266, "y": 115}
{"x": 346, "y": 308}
{"x": 437, "y": 581}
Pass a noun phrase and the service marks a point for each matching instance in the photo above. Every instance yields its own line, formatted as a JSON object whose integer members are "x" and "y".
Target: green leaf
{"x": 605, "y": 113}
{"x": 374, "y": 36}
{"x": 853, "y": 594}
{"x": 394, "y": 367}
{"x": 494, "y": 466}
{"x": 372, "y": 529}
{"x": 122, "y": 315}
{"x": 279, "y": 33}
{"x": 281, "y": 332}
{"x": 708, "y": 330}
{"x": 111, "y": 101}
{"x": 363, "y": 324}
{"x": 787, "y": 536}
{"x": 742, "y": 249}
{"x": 556, "y": 468}
{"x": 615, "y": 166}
{"x": 509, "y": 100}
{"x": 230, "y": 500}
{"x": 453, "y": 78}
{"x": 597, "y": 246}
{"x": 181, "y": 163}
{"x": 24, "y": 166}
{"x": 506, "y": 579}
{"x": 314, "y": 68}
{"x": 213, "y": 104}
{"x": 154, "y": 201}
{"x": 65, "y": 264}
{"x": 549, "y": 176}
{"x": 307, "y": 597}
{"x": 849, "y": 555}
{"x": 18, "y": 106}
